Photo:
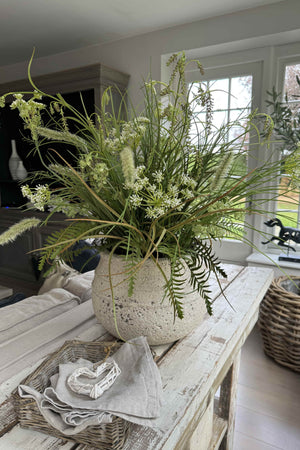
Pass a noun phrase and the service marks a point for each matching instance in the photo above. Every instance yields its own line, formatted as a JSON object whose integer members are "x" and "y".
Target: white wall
{"x": 268, "y": 25}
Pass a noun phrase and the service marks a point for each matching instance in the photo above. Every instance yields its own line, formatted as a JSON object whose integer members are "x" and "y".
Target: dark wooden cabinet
{"x": 91, "y": 81}
{"x": 84, "y": 83}
{"x": 17, "y": 269}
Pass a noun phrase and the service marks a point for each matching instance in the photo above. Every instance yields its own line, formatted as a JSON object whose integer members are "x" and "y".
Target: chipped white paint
{"x": 219, "y": 430}
{"x": 193, "y": 369}
{"x": 227, "y": 401}
{"x": 200, "y": 436}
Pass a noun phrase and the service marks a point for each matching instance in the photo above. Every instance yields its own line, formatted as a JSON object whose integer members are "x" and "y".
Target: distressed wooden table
{"x": 195, "y": 371}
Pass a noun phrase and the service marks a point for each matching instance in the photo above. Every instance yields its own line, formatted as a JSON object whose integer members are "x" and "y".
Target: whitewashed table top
{"x": 191, "y": 369}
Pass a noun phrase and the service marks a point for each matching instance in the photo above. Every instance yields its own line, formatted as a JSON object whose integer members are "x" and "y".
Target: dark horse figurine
{"x": 285, "y": 234}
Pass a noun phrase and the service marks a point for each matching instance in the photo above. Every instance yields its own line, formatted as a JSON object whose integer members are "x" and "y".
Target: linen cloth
{"x": 80, "y": 285}
{"x": 33, "y": 311}
{"x": 136, "y": 394}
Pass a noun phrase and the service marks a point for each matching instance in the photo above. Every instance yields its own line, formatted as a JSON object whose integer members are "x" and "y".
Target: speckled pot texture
{"x": 144, "y": 313}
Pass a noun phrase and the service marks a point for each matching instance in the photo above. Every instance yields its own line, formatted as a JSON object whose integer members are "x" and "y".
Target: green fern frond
{"x": 59, "y": 243}
{"x": 131, "y": 263}
{"x": 173, "y": 287}
{"x": 202, "y": 262}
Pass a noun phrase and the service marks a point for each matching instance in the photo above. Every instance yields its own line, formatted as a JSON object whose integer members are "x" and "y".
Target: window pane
{"x": 220, "y": 93}
{"x": 193, "y": 92}
{"x": 237, "y": 133}
{"x": 237, "y": 114}
{"x": 219, "y": 118}
{"x": 288, "y": 206}
{"x": 291, "y": 87}
{"x": 231, "y": 101}
{"x": 198, "y": 125}
{"x": 241, "y": 92}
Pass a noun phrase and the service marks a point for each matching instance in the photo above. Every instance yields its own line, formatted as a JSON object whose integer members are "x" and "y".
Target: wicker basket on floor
{"x": 104, "y": 436}
{"x": 279, "y": 321}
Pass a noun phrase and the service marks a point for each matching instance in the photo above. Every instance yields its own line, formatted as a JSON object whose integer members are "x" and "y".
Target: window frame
{"x": 232, "y": 250}
{"x": 273, "y": 56}
{"x": 284, "y": 58}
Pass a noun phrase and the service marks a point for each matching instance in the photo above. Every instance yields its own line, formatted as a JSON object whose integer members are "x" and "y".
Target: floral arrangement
{"x": 141, "y": 185}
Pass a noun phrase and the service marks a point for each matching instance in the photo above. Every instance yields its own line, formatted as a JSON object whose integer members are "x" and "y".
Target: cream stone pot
{"x": 144, "y": 313}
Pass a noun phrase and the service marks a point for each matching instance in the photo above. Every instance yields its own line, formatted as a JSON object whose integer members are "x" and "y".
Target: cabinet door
{"x": 16, "y": 258}
{"x": 15, "y": 261}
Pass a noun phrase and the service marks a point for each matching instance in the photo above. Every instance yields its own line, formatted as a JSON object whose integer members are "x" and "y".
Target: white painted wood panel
{"x": 200, "y": 436}
{"x": 208, "y": 351}
{"x": 257, "y": 430}
{"x": 193, "y": 368}
{"x": 271, "y": 404}
{"x": 243, "y": 442}
{"x": 219, "y": 430}
{"x": 268, "y": 429}
{"x": 227, "y": 401}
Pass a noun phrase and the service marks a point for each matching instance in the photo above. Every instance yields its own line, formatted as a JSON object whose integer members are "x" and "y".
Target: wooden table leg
{"x": 227, "y": 402}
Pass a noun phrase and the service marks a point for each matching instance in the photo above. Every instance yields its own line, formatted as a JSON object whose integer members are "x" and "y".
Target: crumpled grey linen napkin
{"x": 136, "y": 394}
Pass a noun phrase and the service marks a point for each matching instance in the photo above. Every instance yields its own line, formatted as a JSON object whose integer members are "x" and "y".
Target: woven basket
{"x": 104, "y": 436}
{"x": 279, "y": 321}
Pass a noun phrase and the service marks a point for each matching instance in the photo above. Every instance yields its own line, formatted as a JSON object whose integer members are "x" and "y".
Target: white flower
{"x": 173, "y": 189}
{"x": 140, "y": 184}
{"x": 187, "y": 193}
{"x": 135, "y": 200}
{"x": 39, "y": 196}
{"x": 188, "y": 181}
{"x": 154, "y": 212}
{"x": 140, "y": 170}
{"x": 158, "y": 176}
{"x": 141, "y": 119}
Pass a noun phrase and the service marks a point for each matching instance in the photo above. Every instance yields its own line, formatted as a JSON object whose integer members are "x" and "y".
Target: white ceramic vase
{"x": 21, "y": 172}
{"x": 13, "y": 161}
{"x": 144, "y": 313}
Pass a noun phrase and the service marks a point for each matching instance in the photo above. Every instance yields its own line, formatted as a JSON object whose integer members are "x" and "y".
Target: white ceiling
{"x": 53, "y": 26}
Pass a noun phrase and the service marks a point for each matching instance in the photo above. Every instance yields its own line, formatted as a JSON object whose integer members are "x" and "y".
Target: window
{"x": 290, "y": 206}
{"x": 235, "y": 92}
{"x": 231, "y": 100}
{"x": 240, "y": 81}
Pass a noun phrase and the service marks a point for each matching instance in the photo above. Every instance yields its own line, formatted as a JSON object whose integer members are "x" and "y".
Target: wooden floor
{"x": 268, "y": 402}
